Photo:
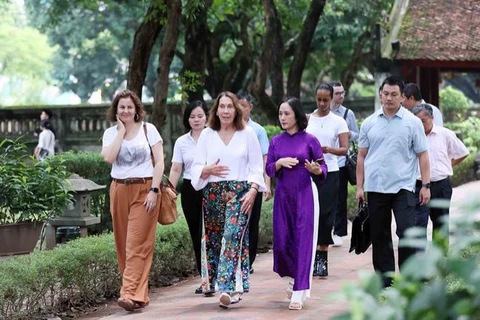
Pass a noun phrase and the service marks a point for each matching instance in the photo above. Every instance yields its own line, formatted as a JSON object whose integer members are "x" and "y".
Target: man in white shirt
{"x": 445, "y": 150}
{"x": 413, "y": 97}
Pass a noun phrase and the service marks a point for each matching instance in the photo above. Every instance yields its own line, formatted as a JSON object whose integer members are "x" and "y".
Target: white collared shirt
{"x": 443, "y": 146}
{"x": 183, "y": 153}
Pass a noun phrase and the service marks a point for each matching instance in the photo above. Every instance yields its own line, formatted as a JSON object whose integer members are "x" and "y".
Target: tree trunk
{"x": 167, "y": 52}
{"x": 145, "y": 37}
{"x": 197, "y": 37}
{"x": 263, "y": 64}
{"x": 276, "y": 68}
{"x": 303, "y": 46}
{"x": 348, "y": 74}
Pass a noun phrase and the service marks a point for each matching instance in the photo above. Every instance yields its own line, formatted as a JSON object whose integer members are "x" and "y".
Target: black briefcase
{"x": 361, "y": 238}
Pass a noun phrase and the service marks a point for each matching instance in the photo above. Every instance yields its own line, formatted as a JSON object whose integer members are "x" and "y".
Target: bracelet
{"x": 252, "y": 187}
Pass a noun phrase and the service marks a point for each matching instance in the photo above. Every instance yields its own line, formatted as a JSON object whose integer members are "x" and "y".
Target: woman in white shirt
{"x": 134, "y": 193}
{"x": 46, "y": 141}
{"x": 194, "y": 120}
{"x": 332, "y": 132}
{"x": 228, "y": 165}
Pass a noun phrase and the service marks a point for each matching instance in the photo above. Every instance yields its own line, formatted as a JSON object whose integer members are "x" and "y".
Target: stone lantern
{"x": 77, "y": 214}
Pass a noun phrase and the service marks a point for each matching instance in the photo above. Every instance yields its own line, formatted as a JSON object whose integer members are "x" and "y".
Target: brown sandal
{"x": 126, "y": 303}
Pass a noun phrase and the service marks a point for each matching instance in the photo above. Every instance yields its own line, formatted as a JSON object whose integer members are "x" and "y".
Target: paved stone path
{"x": 266, "y": 299}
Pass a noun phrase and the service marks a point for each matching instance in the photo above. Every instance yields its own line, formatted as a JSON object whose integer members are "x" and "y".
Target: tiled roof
{"x": 445, "y": 30}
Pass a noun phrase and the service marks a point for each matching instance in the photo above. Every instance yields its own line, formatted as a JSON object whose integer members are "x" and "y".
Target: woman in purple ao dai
{"x": 295, "y": 159}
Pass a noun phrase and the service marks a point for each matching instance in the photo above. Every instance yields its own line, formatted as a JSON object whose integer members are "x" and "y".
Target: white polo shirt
{"x": 443, "y": 146}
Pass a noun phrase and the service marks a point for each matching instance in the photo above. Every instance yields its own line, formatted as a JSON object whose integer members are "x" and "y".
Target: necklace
{"x": 321, "y": 119}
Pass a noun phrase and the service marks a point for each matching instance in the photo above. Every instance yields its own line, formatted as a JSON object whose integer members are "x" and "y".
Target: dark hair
{"x": 297, "y": 107}
{"x": 48, "y": 112}
{"x": 325, "y": 86}
{"x": 336, "y": 84}
{"x": 425, "y": 107}
{"x": 214, "y": 120}
{"x": 188, "y": 111}
{"x": 139, "y": 110}
{"x": 411, "y": 89}
{"x": 45, "y": 124}
{"x": 394, "y": 81}
{"x": 243, "y": 94}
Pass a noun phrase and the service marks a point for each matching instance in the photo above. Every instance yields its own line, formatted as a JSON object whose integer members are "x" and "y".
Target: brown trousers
{"x": 134, "y": 231}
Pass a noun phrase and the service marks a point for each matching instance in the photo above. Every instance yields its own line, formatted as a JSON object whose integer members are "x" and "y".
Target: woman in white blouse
{"x": 228, "y": 165}
{"x": 194, "y": 120}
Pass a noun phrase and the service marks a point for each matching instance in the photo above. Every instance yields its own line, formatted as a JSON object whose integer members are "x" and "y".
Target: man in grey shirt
{"x": 392, "y": 144}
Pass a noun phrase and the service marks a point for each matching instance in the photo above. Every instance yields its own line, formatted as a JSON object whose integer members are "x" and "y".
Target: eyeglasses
{"x": 340, "y": 93}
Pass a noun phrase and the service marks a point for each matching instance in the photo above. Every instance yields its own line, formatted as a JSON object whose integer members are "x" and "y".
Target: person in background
{"x": 228, "y": 166}
{"x": 445, "y": 150}
{"x": 194, "y": 120}
{"x": 332, "y": 133}
{"x": 413, "y": 97}
{"x": 245, "y": 101}
{"x": 46, "y": 141}
{"x": 340, "y": 222}
{"x": 134, "y": 193}
{"x": 295, "y": 159}
{"x": 391, "y": 143}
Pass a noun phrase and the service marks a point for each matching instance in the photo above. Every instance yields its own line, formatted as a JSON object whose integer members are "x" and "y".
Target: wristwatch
{"x": 426, "y": 185}
{"x": 154, "y": 189}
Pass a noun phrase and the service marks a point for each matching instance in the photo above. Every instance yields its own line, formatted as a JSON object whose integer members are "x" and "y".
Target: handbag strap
{"x": 151, "y": 151}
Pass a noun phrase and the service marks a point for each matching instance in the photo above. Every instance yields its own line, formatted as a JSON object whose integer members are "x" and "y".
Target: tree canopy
{"x": 271, "y": 47}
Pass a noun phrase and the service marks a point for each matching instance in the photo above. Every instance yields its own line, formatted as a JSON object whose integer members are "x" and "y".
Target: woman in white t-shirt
{"x": 194, "y": 120}
{"x": 46, "y": 141}
{"x": 228, "y": 165}
{"x": 332, "y": 132}
{"x": 134, "y": 193}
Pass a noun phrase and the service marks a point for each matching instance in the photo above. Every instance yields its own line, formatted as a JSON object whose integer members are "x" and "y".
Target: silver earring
{"x": 136, "y": 117}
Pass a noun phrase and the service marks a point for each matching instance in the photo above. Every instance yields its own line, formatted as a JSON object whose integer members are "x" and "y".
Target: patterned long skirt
{"x": 225, "y": 260}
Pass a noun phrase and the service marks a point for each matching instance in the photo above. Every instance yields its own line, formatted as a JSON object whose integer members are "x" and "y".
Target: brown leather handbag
{"x": 168, "y": 195}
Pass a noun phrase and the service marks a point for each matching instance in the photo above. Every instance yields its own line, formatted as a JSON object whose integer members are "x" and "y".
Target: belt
{"x": 419, "y": 182}
{"x": 132, "y": 180}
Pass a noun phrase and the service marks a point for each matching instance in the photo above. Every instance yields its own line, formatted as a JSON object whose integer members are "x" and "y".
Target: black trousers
{"x": 380, "y": 206}
{"x": 253, "y": 227}
{"x": 439, "y": 190}
{"x": 340, "y": 224}
{"x": 192, "y": 209}
{"x": 328, "y": 194}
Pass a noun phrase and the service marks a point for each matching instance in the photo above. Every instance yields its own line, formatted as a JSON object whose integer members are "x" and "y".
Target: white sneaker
{"x": 337, "y": 241}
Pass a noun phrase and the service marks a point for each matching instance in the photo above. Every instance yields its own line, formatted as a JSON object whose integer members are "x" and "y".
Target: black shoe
{"x": 199, "y": 290}
{"x": 209, "y": 293}
{"x": 251, "y": 270}
{"x": 316, "y": 264}
{"x": 323, "y": 264}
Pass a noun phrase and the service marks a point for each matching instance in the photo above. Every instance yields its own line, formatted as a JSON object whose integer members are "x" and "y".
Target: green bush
{"x": 469, "y": 132}
{"x": 31, "y": 190}
{"x": 453, "y": 103}
{"x": 439, "y": 283}
{"x": 464, "y": 172}
{"x": 83, "y": 272}
{"x": 272, "y": 131}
